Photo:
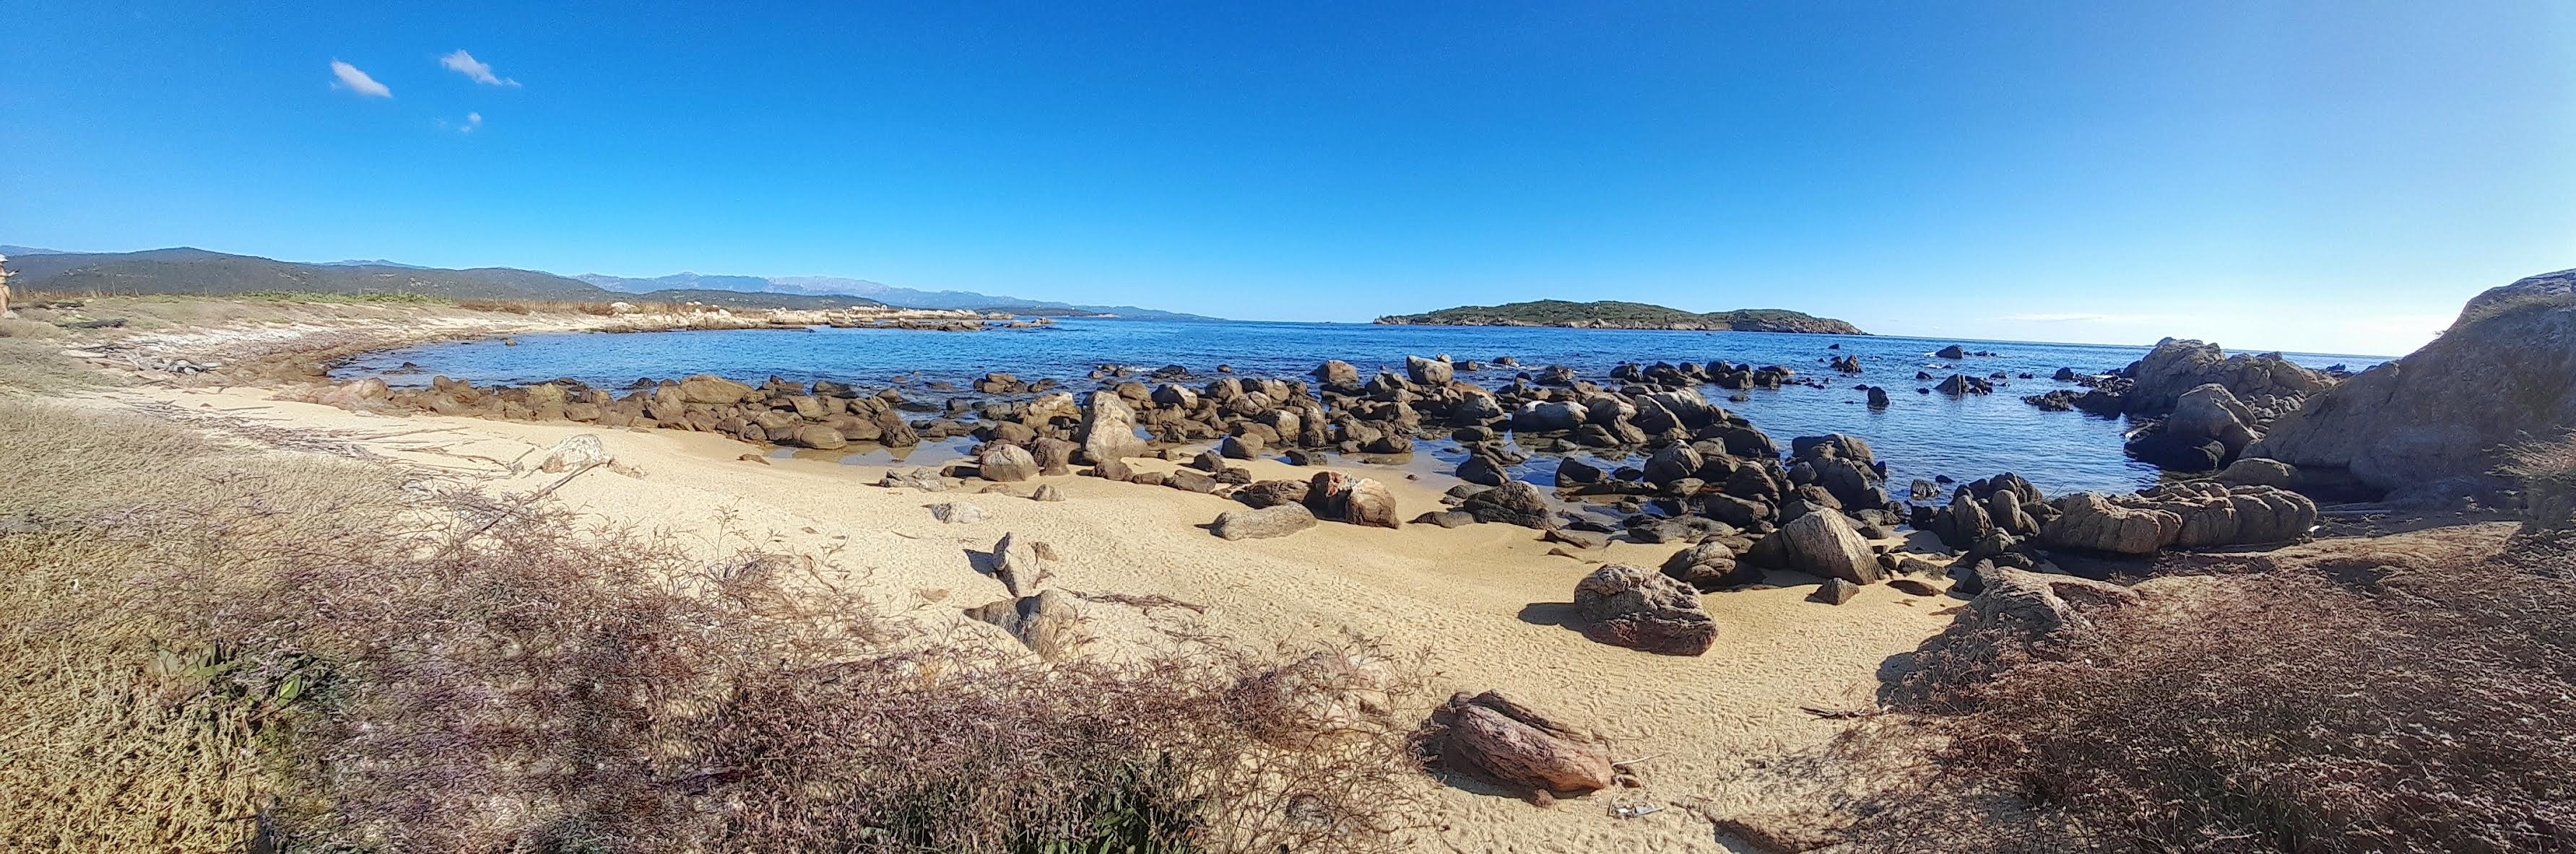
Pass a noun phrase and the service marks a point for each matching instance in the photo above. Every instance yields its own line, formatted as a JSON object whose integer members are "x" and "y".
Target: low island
{"x": 1625, "y": 315}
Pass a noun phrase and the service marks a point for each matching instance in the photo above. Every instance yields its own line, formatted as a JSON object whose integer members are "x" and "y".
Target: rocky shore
{"x": 1684, "y": 552}
{"x": 1732, "y": 503}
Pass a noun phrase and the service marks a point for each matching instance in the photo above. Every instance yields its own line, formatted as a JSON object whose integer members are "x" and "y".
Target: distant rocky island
{"x": 1625, "y": 315}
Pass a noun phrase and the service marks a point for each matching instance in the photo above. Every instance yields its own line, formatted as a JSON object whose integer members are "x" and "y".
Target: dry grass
{"x": 2547, "y": 472}
{"x": 203, "y": 642}
{"x": 2419, "y": 709}
{"x": 33, "y": 365}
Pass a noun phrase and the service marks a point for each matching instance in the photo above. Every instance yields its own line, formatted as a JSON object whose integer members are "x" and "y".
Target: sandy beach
{"x": 1487, "y": 604}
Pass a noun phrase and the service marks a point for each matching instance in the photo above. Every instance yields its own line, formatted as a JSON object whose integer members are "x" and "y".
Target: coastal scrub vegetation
{"x": 2337, "y": 705}
{"x": 205, "y": 646}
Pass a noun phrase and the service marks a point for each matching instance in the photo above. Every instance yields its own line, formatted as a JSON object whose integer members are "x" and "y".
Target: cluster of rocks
{"x": 2006, "y": 514}
{"x": 2199, "y": 407}
{"x": 824, "y": 415}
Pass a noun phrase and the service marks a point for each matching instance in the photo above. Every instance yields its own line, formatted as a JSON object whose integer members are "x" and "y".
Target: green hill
{"x": 1624, "y": 315}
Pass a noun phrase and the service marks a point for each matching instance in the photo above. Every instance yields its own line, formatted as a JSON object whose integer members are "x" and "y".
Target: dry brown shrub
{"x": 2412, "y": 710}
{"x": 317, "y": 653}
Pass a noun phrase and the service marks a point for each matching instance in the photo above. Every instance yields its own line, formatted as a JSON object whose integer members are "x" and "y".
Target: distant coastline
{"x": 1609, "y": 314}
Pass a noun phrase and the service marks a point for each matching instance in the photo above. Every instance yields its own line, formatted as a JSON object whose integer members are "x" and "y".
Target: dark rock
{"x": 1637, "y": 608}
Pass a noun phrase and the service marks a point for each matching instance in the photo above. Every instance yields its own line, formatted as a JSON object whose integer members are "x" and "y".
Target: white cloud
{"x": 472, "y": 121}
{"x": 477, "y": 71}
{"x": 357, "y": 81}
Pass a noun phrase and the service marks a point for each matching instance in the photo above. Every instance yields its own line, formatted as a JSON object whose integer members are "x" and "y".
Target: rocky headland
{"x": 1625, "y": 315}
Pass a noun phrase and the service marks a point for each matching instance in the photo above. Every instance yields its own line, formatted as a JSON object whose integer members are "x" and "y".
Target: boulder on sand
{"x": 1642, "y": 609}
{"x": 1006, "y": 463}
{"x": 1501, "y": 741}
{"x": 1277, "y": 520}
{"x": 1357, "y": 500}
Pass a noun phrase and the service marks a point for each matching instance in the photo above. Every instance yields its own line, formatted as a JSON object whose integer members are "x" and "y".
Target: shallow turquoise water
{"x": 1921, "y": 435}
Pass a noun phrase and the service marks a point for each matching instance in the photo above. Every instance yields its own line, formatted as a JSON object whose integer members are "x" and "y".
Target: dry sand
{"x": 1487, "y": 603}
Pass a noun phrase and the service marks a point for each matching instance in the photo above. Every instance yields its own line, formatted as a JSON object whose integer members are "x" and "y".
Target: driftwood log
{"x": 1501, "y": 741}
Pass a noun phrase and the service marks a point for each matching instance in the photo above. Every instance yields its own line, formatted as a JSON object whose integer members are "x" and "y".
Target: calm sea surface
{"x": 1921, "y": 435}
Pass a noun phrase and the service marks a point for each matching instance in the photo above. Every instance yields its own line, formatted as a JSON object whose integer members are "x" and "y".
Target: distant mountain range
{"x": 1625, "y": 315}
{"x": 197, "y": 271}
{"x": 888, "y": 294}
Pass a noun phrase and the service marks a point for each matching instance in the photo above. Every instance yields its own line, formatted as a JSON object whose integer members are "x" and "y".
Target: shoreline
{"x": 1488, "y": 604}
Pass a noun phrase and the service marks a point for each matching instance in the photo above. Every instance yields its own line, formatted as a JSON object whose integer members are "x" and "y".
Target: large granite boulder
{"x": 1513, "y": 503}
{"x": 2438, "y": 419}
{"x": 1642, "y": 609}
{"x": 710, "y": 389}
{"x": 2158, "y": 381}
{"x": 1819, "y": 543}
{"x": 1109, "y": 429}
{"x": 1430, "y": 372}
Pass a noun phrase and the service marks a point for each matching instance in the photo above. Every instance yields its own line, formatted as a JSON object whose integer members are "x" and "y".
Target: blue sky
{"x": 2327, "y": 176}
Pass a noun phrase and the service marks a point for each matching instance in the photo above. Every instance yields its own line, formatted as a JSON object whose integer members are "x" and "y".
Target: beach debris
{"x": 924, "y": 479}
{"x": 577, "y": 451}
{"x": 1277, "y": 520}
{"x": 754, "y": 458}
{"x": 1047, "y": 492}
{"x": 1493, "y": 738}
{"x": 1641, "y": 609}
{"x": 959, "y": 513}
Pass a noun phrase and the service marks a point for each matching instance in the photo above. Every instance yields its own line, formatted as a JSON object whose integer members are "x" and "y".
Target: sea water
{"x": 1921, "y": 435}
